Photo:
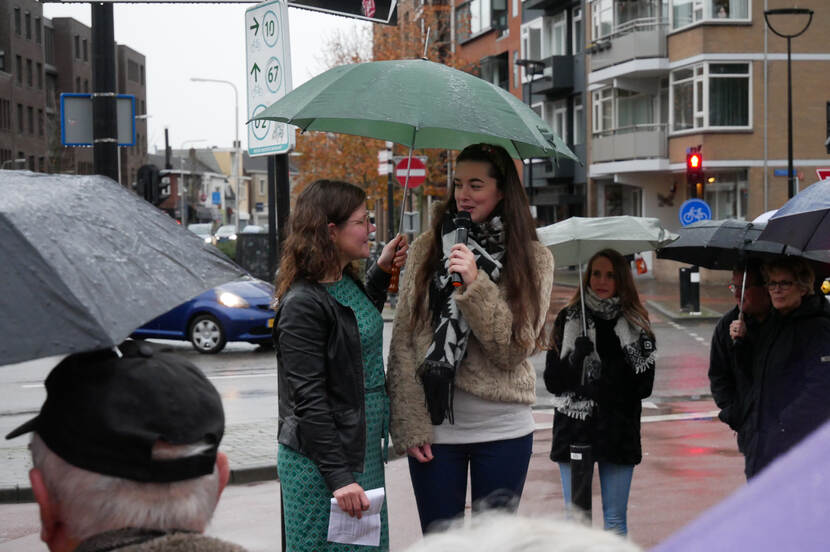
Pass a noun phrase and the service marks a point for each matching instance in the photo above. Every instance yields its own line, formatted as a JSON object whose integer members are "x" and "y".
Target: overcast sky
{"x": 203, "y": 40}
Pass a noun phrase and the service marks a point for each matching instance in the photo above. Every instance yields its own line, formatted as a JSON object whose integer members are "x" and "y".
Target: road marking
{"x": 240, "y": 376}
{"x": 701, "y": 339}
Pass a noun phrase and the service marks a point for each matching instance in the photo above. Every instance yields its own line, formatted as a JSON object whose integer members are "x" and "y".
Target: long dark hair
{"x": 519, "y": 277}
{"x": 308, "y": 252}
{"x": 630, "y": 304}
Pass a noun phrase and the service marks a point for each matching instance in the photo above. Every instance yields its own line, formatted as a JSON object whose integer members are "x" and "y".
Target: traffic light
{"x": 148, "y": 184}
{"x": 694, "y": 173}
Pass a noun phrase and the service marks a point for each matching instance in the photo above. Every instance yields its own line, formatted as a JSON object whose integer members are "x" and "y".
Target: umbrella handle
{"x": 743, "y": 290}
{"x": 582, "y": 303}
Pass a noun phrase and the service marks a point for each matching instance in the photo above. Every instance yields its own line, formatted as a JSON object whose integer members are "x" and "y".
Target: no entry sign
{"x": 417, "y": 172}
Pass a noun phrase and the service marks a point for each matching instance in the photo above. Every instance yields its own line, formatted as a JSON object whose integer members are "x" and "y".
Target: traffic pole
{"x": 104, "y": 123}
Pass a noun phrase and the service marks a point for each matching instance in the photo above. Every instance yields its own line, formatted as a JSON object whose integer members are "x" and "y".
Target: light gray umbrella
{"x": 575, "y": 240}
{"x": 84, "y": 262}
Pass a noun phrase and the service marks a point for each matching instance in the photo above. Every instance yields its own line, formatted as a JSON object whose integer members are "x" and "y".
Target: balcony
{"x": 636, "y": 142}
{"x": 635, "y": 39}
{"x": 557, "y": 77}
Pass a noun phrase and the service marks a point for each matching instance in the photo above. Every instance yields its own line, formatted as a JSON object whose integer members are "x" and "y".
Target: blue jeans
{"x": 615, "y": 483}
{"x": 497, "y": 477}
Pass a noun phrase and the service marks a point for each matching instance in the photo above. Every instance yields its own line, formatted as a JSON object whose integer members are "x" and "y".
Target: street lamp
{"x": 531, "y": 65}
{"x": 21, "y": 160}
{"x": 236, "y": 144}
{"x": 181, "y": 178}
{"x": 789, "y": 11}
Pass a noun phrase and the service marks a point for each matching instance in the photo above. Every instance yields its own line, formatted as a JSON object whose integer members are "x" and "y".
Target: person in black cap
{"x": 125, "y": 453}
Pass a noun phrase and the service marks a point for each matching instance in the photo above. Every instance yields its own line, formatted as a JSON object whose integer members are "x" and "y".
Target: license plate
{"x": 270, "y": 322}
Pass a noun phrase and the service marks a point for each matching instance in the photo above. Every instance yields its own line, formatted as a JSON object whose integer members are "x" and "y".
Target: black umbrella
{"x": 804, "y": 221}
{"x": 719, "y": 244}
{"x": 84, "y": 261}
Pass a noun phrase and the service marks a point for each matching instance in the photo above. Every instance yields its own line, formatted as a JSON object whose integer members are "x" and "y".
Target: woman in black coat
{"x": 600, "y": 379}
{"x": 791, "y": 365}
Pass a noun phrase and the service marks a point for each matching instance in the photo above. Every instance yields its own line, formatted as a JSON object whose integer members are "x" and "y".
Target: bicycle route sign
{"x": 267, "y": 75}
{"x": 694, "y": 210}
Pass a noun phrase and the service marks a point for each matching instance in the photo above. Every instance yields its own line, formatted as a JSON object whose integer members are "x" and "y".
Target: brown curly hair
{"x": 308, "y": 252}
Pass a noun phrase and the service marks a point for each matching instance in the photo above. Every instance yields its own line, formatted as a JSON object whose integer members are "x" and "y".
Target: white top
{"x": 480, "y": 420}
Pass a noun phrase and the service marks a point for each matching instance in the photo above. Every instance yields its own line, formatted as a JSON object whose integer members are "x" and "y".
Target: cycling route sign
{"x": 694, "y": 210}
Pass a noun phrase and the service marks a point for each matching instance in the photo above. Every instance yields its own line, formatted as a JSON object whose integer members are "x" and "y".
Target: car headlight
{"x": 232, "y": 300}
{"x": 208, "y": 239}
{"x": 232, "y": 237}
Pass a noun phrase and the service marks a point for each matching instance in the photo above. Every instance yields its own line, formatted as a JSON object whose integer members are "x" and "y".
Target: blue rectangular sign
{"x": 215, "y": 198}
{"x": 782, "y": 172}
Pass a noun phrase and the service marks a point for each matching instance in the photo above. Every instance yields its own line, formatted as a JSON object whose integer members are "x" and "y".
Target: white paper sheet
{"x": 350, "y": 530}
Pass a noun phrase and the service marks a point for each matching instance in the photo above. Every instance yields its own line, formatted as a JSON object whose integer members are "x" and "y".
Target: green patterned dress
{"x": 305, "y": 496}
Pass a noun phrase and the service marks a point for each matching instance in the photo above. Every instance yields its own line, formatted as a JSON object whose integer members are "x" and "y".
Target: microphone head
{"x": 463, "y": 219}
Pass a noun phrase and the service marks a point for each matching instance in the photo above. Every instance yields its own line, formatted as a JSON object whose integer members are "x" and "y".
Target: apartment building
{"x": 669, "y": 75}
{"x": 552, "y": 60}
{"x": 39, "y": 60}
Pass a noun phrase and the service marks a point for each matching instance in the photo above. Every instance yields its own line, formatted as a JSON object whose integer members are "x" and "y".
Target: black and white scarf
{"x": 637, "y": 346}
{"x": 451, "y": 331}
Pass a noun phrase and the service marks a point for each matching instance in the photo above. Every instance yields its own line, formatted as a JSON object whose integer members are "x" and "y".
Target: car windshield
{"x": 226, "y": 230}
{"x": 201, "y": 229}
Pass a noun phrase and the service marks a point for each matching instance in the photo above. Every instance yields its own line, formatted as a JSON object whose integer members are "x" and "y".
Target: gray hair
{"x": 92, "y": 503}
{"x": 492, "y": 531}
{"x": 802, "y": 272}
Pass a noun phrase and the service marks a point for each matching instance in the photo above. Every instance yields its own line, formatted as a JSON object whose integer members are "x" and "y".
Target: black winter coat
{"x": 613, "y": 429}
{"x": 792, "y": 364}
{"x": 320, "y": 377}
{"x": 730, "y": 378}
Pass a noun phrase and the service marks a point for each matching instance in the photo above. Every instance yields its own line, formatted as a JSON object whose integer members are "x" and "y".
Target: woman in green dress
{"x": 328, "y": 335}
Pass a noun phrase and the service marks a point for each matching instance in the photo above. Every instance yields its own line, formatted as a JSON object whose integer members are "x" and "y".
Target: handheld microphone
{"x": 463, "y": 223}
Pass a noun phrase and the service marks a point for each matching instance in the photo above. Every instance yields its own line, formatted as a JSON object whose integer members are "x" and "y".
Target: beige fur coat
{"x": 495, "y": 368}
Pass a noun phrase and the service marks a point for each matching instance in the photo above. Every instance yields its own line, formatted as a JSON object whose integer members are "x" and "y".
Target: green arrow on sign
{"x": 255, "y": 71}
{"x": 255, "y": 26}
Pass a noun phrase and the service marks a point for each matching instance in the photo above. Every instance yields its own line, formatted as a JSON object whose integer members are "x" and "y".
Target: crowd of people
{"x": 125, "y": 447}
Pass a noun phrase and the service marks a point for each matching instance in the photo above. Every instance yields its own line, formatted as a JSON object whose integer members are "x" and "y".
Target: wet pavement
{"x": 690, "y": 459}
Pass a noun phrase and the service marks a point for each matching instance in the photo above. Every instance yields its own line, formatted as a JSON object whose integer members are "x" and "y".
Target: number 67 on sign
{"x": 267, "y": 74}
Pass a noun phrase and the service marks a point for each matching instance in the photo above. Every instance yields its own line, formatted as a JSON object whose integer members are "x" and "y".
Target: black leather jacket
{"x": 320, "y": 377}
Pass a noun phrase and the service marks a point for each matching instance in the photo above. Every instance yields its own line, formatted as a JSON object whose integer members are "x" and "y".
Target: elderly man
{"x": 125, "y": 454}
{"x": 731, "y": 377}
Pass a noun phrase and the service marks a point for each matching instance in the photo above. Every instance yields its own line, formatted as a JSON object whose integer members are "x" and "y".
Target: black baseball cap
{"x": 104, "y": 414}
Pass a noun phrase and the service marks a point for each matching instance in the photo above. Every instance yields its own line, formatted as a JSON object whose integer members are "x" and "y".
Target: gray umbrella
{"x": 84, "y": 261}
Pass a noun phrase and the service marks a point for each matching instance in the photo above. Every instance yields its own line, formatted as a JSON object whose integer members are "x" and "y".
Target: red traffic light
{"x": 694, "y": 161}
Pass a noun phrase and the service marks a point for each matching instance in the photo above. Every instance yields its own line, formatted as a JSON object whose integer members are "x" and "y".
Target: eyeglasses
{"x": 783, "y": 285}
{"x": 365, "y": 221}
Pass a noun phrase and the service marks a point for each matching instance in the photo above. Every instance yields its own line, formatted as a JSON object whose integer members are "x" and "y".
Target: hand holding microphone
{"x": 462, "y": 261}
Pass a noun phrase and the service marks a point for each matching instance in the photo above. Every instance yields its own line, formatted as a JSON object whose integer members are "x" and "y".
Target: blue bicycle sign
{"x": 694, "y": 210}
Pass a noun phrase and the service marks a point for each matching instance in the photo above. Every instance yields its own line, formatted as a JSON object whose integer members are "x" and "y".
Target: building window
{"x": 143, "y": 107}
{"x": 689, "y": 12}
{"x": 40, "y": 76}
{"x": 77, "y": 47}
{"x": 617, "y": 110}
{"x": 30, "y": 112}
{"x": 579, "y": 121}
{"x": 603, "y": 118}
{"x": 86, "y": 51}
{"x": 86, "y": 85}
{"x": 726, "y": 193}
{"x": 40, "y": 122}
{"x": 2, "y": 61}
{"x": 494, "y": 70}
{"x": 19, "y": 69}
{"x": 473, "y": 18}
{"x": 77, "y": 84}
{"x": 602, "y": 18}
{"x": 17, "y": 21}
{"x": 555, "y": 114}
{"x": 29, "y": 73}
{"x": 20, "y": 118}
{"x": 41, "y": 164}
{"x": 132, "y": 71}
{"x": 38, "y": 35}
{"x": 32, "y": 163}
{"x": 621, "y": 199}
{"x": 142, "y": 74}
{"x": 5, "y": 114}
{"x": 556, "y": 31}
{"x": 711, "y": 95}
{"x": 577, "y": 32}
{"x": 261, "y": 186}
{"x": 28, "y": 17}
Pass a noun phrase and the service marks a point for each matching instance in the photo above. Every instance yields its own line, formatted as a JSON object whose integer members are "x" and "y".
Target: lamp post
{"x": 789, "y": 11}
{"x": 531, "y": 65}
{"x": 236, "y": 144}
{"x": 181, "y": 180}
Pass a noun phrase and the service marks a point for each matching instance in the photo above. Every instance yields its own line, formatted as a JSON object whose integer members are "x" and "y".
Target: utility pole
{"x": 104, "y": 125}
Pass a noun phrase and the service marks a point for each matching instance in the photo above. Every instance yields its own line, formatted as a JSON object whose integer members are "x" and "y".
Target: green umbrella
{"x": 417, "y": 103}
{"x": 575, "y": 240}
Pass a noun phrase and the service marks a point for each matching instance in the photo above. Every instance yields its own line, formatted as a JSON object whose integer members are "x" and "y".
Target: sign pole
{"x": 104, "y": 129}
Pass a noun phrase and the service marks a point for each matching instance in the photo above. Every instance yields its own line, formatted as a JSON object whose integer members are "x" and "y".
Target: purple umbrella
{"x": 785, "y": 507}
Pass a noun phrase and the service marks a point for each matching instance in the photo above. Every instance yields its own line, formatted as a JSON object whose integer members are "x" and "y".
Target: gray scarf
{"x": 637, "y": 346}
